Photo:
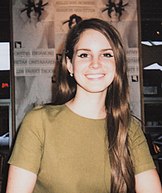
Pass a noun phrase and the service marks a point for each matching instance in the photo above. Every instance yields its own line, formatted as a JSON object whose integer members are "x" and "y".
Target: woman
{"x": 89, "y": 142}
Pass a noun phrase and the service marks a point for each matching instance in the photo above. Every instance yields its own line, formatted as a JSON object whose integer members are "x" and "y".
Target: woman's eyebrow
{"x": 86, "y": 49}
{"x": 107, "y": 49}
{"x": 82, "y": 49}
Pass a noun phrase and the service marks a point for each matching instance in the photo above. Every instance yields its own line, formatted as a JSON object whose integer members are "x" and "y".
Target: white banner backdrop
{"x": 39, "y": 29}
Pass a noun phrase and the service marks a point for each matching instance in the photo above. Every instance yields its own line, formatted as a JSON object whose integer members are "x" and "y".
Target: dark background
{"x": 151, "y": 19}
{"x": 5, "y": 20}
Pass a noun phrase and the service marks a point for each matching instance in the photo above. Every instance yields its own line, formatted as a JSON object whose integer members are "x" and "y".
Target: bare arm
{"x": 20, "y": 180}
{"x": 148, "y": 182}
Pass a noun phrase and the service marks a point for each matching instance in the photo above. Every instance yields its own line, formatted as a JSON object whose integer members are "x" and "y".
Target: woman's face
{"x": 93, "y": 63}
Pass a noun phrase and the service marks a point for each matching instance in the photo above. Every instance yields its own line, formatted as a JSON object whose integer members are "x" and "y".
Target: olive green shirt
{"x": 68, "y": 152}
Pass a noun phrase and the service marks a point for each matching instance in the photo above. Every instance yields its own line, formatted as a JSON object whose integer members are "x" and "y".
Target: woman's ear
{"x": 69, "y": 65}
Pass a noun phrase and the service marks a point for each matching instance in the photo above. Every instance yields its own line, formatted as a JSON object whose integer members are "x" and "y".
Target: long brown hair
{"x": 117, "y": 102}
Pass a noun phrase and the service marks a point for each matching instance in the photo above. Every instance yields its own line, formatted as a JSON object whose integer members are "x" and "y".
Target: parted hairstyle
{"x": 117, "y": 101}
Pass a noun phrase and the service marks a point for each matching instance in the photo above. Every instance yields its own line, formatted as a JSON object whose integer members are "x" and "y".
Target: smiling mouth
{"x": 94, "y": 76}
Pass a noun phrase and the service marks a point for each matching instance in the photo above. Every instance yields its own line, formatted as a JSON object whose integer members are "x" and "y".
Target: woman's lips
{"x": 95, "y": 76}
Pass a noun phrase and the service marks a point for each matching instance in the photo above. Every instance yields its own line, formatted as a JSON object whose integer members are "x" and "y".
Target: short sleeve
{"x": 28, "y": 147}
{"x": 139, "y": 149}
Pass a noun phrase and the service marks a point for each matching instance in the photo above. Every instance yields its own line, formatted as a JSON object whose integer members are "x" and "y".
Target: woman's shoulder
{"x": 47, "y": 110}
{"x": 135, "y": 128}
{"x": 135, "y": 122}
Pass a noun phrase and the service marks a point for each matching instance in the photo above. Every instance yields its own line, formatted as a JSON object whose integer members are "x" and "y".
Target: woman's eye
{"x": 108, "y": 55}
{"x": 84, "y": 55}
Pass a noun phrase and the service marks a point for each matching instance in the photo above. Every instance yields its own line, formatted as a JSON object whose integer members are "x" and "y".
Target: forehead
{"x": 91, "y": 38}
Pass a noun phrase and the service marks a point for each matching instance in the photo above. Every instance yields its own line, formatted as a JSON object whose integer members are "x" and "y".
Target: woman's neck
{"x": 90, "y": 105}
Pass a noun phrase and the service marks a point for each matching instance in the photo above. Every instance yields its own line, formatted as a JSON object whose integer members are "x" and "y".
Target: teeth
{"x": 94, "y": 75}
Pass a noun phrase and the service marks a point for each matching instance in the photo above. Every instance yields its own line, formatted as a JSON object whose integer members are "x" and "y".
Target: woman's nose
{"x": 95, "y": 63}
